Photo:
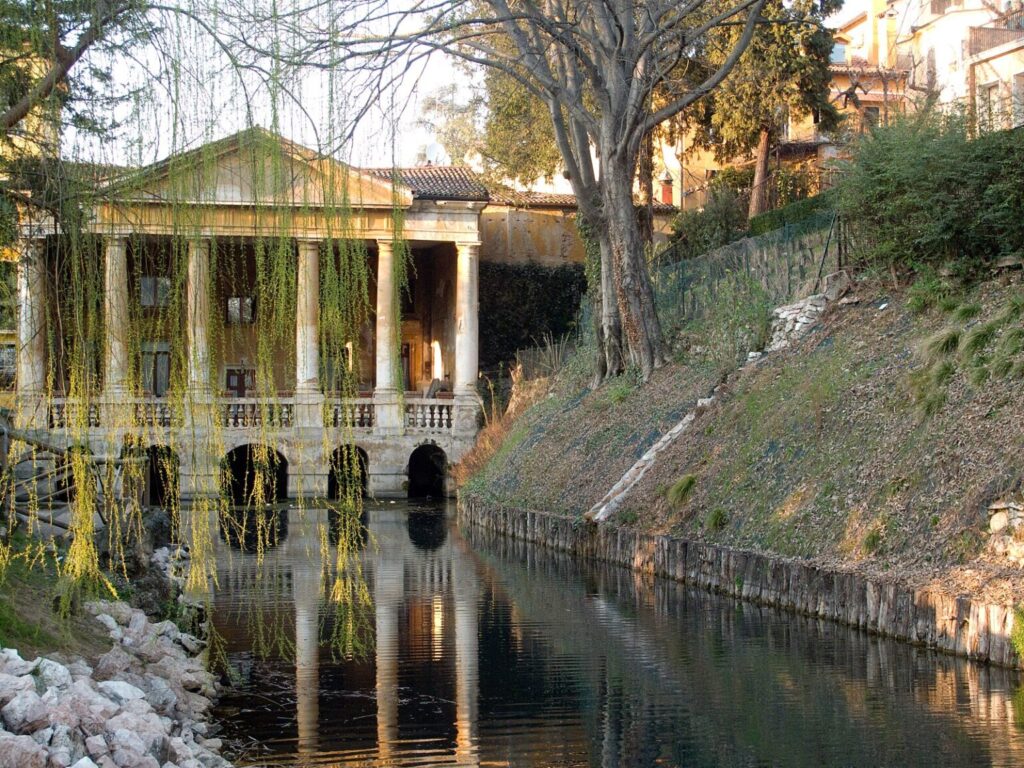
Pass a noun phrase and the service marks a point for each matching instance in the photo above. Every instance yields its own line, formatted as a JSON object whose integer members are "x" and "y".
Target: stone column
{"x": 116, "y": 324}
{"x": 31, "y": 352}
{"x": 388, "y": 416}
{"x": 198, "y": 293}
{"x": 307, "y": 319}
{"x": 198, "y": 474}
{"x": 467, "y": 403}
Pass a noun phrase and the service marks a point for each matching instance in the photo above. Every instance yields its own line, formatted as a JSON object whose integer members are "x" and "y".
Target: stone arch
{"x": 249, "y": 467}
{"x": 162, "y": 472}
{"x": 349, "y": 464}
{"x": 428, "y": 472}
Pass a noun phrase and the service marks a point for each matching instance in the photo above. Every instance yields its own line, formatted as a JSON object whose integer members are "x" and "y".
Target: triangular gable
{"x": 256, "y": 168}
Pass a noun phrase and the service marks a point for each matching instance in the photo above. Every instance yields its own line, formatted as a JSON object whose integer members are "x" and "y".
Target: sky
{"x": 210, "y": 104}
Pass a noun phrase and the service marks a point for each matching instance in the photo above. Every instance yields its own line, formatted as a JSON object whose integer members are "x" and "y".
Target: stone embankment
{"x": 143, "y": 704}
{"x": 927, "y": 617}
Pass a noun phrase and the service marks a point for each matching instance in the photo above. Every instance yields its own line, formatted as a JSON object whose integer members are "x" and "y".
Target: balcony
{"x": 355, "y": 413}
{"x": 423, "y": 416}
{"x": 249, "y": 412}
{"x": 428, "y": 416}
{"x": 1010, "y": 29}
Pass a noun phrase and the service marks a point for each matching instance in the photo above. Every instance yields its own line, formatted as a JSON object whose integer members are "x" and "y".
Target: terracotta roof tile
{"x": 437, "y": 182}
{"x": 552, "y": 200}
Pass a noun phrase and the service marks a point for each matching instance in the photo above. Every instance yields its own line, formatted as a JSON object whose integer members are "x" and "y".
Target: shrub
{"x": 520, "y": 303}
{"x": 680, "y": 490}
{"x": 1017, "y": 633}
{"x": 921, "y": 192}
{"x": 716, "y": 520}
{"x": 872, "y": 541}
{"x": 796, "y": 213}
{"x": 722, "y": 220}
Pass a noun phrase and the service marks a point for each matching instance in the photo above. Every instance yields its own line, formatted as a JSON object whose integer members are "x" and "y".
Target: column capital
{"x": 468, "y": 244}
{"x": 387, "y": 244}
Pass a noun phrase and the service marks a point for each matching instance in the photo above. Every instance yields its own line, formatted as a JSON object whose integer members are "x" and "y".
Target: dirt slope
{"x": 816, "y": 452}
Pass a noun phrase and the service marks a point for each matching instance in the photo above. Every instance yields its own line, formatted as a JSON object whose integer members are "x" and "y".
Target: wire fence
{"x": 787, "y": 264}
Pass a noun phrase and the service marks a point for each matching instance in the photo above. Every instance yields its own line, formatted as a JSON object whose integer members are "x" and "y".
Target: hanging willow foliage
{"x": 117, "y": 445}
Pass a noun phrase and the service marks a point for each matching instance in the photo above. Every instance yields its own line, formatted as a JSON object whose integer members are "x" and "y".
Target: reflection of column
{"x": 198, "y": 316}
{"x": 466, "y": 336}
{"x": 306, "y": 593}
{"x": 466, "y": 666}
{"x": 31, "y": 361}
{"x": 387, "y": 596}
{"x": 116, "y": 316}
{"x": 385, "y": 393}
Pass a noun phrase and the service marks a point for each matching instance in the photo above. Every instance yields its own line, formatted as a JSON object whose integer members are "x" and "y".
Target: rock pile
{"x": 1006, "y": 526}
{"x": 144, "y": 705}
{"x": 793, "y": 321}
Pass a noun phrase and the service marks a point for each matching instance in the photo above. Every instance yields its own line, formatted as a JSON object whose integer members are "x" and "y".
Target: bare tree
{"x": 596, "y": 65}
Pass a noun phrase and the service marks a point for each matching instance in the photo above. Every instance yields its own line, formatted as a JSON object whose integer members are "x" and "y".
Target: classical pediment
{"x": 256, "y": 168}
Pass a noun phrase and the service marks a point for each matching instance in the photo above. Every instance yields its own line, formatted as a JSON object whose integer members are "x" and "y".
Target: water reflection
{"x": 494, "y": 653}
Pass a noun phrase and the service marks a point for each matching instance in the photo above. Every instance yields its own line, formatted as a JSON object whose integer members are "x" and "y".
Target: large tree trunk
{"x": 645, "y": 177}
{"x": 759, "y": 190}
{"x": 611, "y": 322}
{"x": 633, "y": 291}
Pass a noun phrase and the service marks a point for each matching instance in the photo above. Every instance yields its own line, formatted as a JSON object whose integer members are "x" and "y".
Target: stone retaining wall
{"x": 947, "y": 623}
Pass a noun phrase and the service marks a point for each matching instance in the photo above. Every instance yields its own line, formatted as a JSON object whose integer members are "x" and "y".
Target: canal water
{"x": 471, "y": 651}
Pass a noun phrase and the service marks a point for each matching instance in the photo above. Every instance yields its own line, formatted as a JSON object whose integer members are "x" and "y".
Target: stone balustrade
{"x": 354, "y": 413}
{"x": 246, "y": 412}
{"x": 429, "y": 415}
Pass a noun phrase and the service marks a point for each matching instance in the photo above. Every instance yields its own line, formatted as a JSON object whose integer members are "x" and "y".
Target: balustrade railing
{"x": 428, "y": 415}
{"x": 242, "y": 412}
{"x": 355, "y": 413}
{"x": 65, "y": 413}
{"x": 155, "y": 412}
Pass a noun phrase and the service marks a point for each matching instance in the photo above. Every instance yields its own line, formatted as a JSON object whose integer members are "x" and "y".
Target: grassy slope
{"x": 31, "y": 621}
{"x": 816, "y": 452}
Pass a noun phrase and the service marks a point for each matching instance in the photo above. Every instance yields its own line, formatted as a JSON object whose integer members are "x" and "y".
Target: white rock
{"x": 54, "y": 674}
{"x": 12, "y": 663}
{"x": 96, "y": 745}
{"x": 12, "y": 685}
{"x": 85, "y": 762}
{"x": 119, "y": 692}
{"x": 25, "y": 713}
{"x": 998, "y": 522}
{"x": 20, "y": 752}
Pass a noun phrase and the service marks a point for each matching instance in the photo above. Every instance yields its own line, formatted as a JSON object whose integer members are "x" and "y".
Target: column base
{"x": 388, "y": 418}
{"x": 31, "y": 411}
{"x": 466, "y": 415}
{"x": 309, "y": 408}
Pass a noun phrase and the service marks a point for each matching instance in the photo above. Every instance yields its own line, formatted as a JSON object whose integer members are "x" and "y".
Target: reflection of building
{"x": 423, "y": 630}
{"x": 185, "y": 357}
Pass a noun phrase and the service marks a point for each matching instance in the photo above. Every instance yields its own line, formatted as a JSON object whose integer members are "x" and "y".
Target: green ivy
{"x": 519, "y": 303}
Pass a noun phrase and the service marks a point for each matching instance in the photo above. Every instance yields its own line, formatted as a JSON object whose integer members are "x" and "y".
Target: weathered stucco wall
{"x": 541, "y": 235}
{"x": 947, "y": 623}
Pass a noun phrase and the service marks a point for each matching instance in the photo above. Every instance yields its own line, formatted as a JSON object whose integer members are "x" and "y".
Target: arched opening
{"x": 428, "y": 468}
{"x": 254, "y": 475}
{"x": 253, "y": 479}
{"x": 347, "y": 475}
{"x": 161, "y": 476}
